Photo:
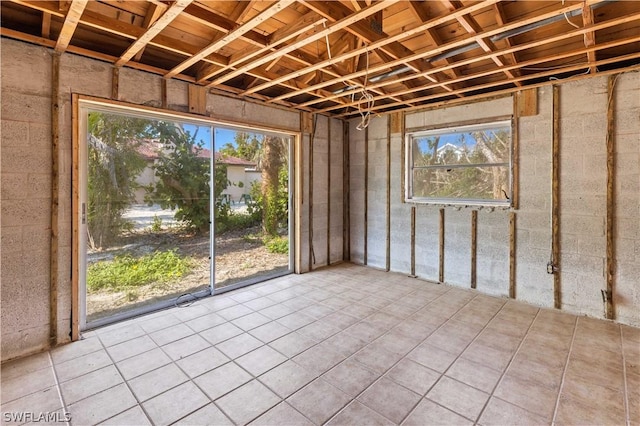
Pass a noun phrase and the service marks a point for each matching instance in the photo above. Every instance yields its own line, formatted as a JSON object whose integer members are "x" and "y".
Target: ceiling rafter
{"x": 167, "y": 17}
{"x": 71, "y": 20}
{"x": 543, "y": 74}
{"x": 589, "y": 37}
{"x": 153, "y": 14}
{"x": 430, "y": 24}
{"x": 231, "y": 36}
{"x": 530, "y": 45}
{"x": 502, "y": 21}
{"x": 241, "y": 10}
{"x": 417, "y": 8}
{"x": 46, "y": 25}
{"x": 341, "y": 24}
{"x": 335, "y": 10}
{"x": 472, "y": 27}
{"x": 308, "y": 22}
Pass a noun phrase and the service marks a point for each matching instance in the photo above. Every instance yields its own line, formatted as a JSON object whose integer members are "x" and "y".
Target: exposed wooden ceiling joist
{"x": 167, "y": 17}
{"x": 231, "y": 36}
{"x": 71, "y": 20}
{"x": 543, "y": 59}
{"x": 316, "y": 55}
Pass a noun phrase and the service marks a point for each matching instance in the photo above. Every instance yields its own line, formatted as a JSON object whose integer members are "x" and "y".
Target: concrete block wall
{"x": 26, "y": 72}
{"x": 583, "y": 203}
{"x": 328, "y": 202}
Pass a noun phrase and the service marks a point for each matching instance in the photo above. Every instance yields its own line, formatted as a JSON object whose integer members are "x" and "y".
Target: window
{"x": 460, "y": 165}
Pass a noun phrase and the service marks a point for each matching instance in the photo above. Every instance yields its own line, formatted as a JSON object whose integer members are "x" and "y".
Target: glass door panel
{"x": 252, "y": 207}
{"x": 147, "y": 213}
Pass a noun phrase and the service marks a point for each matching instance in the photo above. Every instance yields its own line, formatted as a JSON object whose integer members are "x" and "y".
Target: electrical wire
{"x": 326, "y": 37}
{"x": 366, "y": 98}
{"x": 566, "y": 17}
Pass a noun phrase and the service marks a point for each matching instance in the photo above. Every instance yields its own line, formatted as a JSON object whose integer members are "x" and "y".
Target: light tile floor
{"x": 345, "y": 345}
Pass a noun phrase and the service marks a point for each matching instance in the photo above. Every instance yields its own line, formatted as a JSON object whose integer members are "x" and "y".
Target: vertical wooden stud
{"x": 329, "y": 191}
{"x": 555, "y": 199}
{"x": 413, "y": 241}
{"x": 115, "y": 83}
{"x": 611, "y": 197}
{"x": 163, "y": 93}
{"x": 75, "y": 231}
{"x": 474, "y": 248}
{"x": 346, "y": 177}
{"x": 388, "y": 200}
{"x": 512, "y": 255}
{"x": 197, "y": 99}
{"x": 441, "y": 260}
{"x": 515, "y": 158}
{"x": 312, "y": 134}
{"x": 403, "y": 159}
{"x": 366, "y": 193}
{"x": 55, "y": 185}
{"x": 297, "y": 194}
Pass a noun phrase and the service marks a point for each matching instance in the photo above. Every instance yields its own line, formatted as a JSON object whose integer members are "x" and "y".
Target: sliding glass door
{"x": 167, "y": 215}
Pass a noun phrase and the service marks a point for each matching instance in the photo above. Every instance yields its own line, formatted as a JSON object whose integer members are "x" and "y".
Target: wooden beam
{"x": 527, "y": 102}
{"x": 75, "y": 220}
{"x": 153, "y": 14}
{"x": 329, "y": 162}
{"x": 71, "y": 21}
{"x": 474, "y": 248}
{"x": 46, "y": 25}
{"x": 413, "y": 241}
{"x": 430, "y": 52}
{"x": 55, "y": 202}
{"x": 311, "y": 38}
{"x": 167, "y": 18}
{"x": 334, "y": 11}
{"x": 366, "y": 195}
{"x": 611, "y": 196}
{"x": 418, "y": 10}
{"x": 530, "y": 45}
{"x": 388, "y": 197}
{"x": 197, "y": 99}
{"x": 472, "y": 27}
{"x": 241, "y": 10}
{"x": 312, "y": 134}
{"x": 231, "y": 36}
{"x": 555, "y": 200}
{"x": 441, "y": 249}
{"x": 502, "y": 21}
{"x": 163, "y": 93}
{"x": 515, "y": 153}
{"x": 115, "y": 82}
{"x": 346, "y": 194}
{"x": 629, "y": 57}
{"x": 590, "y": 36}
{"x": 512, "y": 255}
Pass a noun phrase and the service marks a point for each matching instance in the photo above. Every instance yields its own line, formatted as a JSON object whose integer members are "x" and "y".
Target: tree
{"x": 113, "y": 165}
{"x": 273, "y": 166}
{"x": 183, "y": 170}
{"x": 247, "y": 146}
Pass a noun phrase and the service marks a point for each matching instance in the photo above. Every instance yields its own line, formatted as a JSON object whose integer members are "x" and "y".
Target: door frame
{"x": 82, "y": 103}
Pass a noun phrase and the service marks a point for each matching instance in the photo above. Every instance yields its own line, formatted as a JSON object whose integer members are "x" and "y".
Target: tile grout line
{"x": 126, "y": 383}
{"x": 506, "y": 368}
{"x": 624, "y": 376}
{"x": 564, "y": 371}
{"x": 402, "y": 358}
{"x": 58, "y": 389}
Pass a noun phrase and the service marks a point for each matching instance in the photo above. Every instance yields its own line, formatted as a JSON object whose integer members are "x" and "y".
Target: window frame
{"x": 452, "y": 128}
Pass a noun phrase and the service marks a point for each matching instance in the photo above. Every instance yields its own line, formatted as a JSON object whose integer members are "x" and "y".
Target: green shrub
{"x": 156, "y": 224}
{"x": 277, "y": 245}
{"x": 235, "y": 221}
{"x": 124, "y": 272}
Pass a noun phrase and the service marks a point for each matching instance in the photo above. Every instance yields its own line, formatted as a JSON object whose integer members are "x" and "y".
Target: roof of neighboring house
{"x": 150, "y": 150}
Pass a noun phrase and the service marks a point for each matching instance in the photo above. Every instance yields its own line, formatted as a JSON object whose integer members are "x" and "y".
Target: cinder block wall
{"x": 583, "y": 107}
{"x": 26, "y": 73}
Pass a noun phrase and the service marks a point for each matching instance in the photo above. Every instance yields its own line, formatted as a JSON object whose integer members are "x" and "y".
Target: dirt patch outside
{"x": 240, "y": 255}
